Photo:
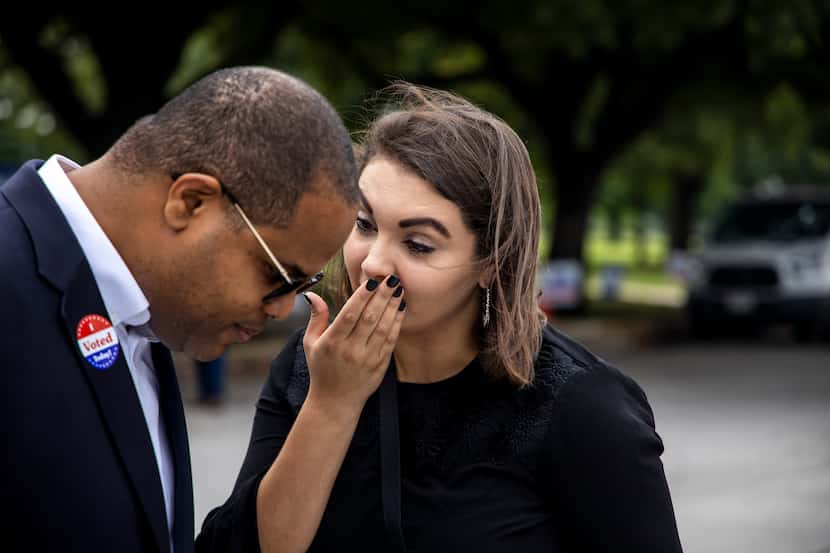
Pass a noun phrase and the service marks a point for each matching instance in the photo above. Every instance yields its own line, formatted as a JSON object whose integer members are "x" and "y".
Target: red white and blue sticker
{"x": 97, "y": 341}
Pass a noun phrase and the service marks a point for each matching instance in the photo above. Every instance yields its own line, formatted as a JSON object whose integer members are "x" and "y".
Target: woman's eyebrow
{"x": 428, "y": 221}
{"x": 365, "y": 202}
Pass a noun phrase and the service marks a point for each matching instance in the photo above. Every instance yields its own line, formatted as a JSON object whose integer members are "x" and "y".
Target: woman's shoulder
{"x": 289, "y": 378}
{"x": 577, "y": 379}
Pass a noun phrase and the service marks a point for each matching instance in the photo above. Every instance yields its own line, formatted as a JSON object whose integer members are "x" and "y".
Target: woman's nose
{"x": 378, "y": 262}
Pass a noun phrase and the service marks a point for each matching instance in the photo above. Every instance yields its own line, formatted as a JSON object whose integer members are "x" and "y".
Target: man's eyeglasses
{"x": 290, "y": 285}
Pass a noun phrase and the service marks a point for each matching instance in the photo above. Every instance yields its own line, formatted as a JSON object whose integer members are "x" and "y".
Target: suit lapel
{"x": 174, "y": 421}
{"x": 61, "y": 261}
{"x": 119, "y": 405}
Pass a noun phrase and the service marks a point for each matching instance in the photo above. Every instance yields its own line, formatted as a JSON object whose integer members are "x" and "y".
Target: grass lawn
{"x": 626, "y": 251}
{"x": 644, "y": 278}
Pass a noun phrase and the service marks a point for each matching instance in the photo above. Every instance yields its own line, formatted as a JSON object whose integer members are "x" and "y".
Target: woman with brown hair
{"x": 453, "y": 419}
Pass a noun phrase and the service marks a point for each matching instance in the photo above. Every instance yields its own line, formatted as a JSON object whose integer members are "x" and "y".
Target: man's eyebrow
{"x": 428, "y": 221}
{"x": 295, "y": 272}
{"x": 366, "y": 203}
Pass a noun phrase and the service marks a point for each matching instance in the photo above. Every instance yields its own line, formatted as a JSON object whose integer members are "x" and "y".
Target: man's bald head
{"x": 267, "y": 136}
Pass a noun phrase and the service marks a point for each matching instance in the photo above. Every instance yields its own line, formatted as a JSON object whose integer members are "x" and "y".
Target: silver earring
{"x": 485, "y": 320}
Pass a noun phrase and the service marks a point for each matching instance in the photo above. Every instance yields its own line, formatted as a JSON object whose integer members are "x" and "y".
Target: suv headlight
{"x": 687, "y": 268}
{"x": 806, "y": 262}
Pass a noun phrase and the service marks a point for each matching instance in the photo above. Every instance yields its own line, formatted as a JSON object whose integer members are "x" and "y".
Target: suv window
{"x": 781, "y": 221}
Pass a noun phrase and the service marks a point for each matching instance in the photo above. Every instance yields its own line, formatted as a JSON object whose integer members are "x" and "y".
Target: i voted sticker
{"x": 97, "y": 341}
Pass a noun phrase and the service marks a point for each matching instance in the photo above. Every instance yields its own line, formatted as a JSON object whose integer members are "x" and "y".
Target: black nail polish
{"x": 306, "y": 298}
{"x": 393, "y": 281}
{"x": 371, "y": 284}
{"x": 398, "y": 291}
{"x": 402, "y": 306}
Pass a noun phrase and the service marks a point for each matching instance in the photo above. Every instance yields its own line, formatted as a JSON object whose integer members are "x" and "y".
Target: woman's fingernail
{"x": 398, "y": 291}
{"x": 371, "y": 284}
{"x": 393, "y": 281}
{"x": 402, "y": 306}
{"x": 306, "y": 298}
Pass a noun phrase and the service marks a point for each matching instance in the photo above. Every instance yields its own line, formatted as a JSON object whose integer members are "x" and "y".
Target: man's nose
{"x": 280, "y": 307}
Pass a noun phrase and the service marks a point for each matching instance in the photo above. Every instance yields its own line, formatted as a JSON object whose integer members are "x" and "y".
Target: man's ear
{"x": 188, "y": 196}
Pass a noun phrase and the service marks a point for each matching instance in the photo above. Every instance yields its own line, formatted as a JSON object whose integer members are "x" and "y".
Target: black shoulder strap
{"x": 390, "y": 459}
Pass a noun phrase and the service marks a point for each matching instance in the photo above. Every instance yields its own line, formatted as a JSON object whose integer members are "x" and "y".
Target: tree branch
{"x": 46, "y": 71}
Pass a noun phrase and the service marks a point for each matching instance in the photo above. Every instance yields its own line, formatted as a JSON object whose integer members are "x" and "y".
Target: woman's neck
{"x": 434, "y": 356}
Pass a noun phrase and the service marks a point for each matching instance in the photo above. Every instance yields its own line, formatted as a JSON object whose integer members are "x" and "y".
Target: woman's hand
{"x": 347, "y": 359}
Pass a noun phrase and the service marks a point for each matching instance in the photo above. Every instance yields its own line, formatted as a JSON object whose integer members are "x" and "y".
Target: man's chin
{"x": 206, "y": 352}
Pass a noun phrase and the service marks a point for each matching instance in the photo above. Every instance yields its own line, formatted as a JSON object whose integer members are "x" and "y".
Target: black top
{"x": 571, "y": 463}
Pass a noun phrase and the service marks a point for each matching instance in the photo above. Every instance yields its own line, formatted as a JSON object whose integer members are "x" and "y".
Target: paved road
{"x": 746, "y": 428}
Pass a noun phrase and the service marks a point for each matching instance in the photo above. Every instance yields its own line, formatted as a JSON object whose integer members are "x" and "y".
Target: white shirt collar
{"x": 123, "y": 298}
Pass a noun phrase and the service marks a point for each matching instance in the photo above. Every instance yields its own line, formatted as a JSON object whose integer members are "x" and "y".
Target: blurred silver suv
{"x": 767, "y": 260}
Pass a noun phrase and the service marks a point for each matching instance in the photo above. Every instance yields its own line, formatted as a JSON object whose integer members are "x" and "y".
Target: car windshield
{"x": 778, "y": 221}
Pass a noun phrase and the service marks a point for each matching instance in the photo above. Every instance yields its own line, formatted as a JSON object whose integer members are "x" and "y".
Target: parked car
{"x": 767, "y": 260}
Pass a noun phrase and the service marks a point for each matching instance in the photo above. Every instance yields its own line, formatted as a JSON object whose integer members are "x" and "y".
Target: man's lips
{"x": 246, "y": 333}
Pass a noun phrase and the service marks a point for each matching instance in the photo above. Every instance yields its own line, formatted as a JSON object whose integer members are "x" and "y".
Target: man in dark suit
{"x": 201, "y": 222}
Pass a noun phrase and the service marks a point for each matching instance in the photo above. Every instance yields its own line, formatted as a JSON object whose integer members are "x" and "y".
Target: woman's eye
{"x": 417, "y": 247}
{"x": 364, "y": 225}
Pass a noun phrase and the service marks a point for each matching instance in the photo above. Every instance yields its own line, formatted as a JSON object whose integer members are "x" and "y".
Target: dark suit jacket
{"x": 77, "y": 472}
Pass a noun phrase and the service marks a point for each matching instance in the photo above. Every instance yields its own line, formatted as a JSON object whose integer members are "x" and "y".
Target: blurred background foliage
{"x": 642, "y": 117}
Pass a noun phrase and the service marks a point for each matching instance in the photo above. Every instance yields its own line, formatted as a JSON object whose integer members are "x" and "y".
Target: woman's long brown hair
{"x": 478, "y": 162}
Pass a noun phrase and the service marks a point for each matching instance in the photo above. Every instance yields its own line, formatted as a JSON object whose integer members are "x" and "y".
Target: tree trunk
{"x": 639, "y": 228}
{"x": 641, "y": 259}
{"x": 576, "y": 184}
{"x": 614, "y": 216}
{"x": 575, "y": 187}
{"x": 687, "y": 190}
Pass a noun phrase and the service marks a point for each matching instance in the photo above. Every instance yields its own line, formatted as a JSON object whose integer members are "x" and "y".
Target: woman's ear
{"x": 187, "y": 197}
{"x": 487, "y": 276}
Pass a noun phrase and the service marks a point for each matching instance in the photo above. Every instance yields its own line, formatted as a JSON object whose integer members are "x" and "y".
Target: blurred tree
{"x": 712, "y": 146}
{"x": 666, "y": 170}
{"x": 102, "y": 67}
{"x": 581, "y": 81}
{"x": 588, "y": 78}
{"x": 27, "y": 126}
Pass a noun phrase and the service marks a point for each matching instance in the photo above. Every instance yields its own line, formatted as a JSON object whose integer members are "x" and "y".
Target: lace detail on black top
{"x": 468, "y": 418}
{"x": 296, "y": 389}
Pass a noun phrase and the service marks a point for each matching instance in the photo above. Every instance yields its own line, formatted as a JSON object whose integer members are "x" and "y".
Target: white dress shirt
{"x": 127, "y": 307}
